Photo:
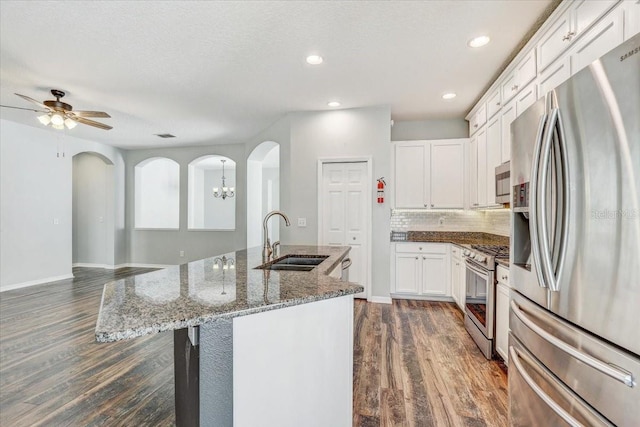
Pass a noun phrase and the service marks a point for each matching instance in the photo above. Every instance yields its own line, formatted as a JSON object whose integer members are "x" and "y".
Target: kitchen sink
{"x": 295, "y": 263}
{"x": 302, "y": 260}
{"x": 289, "y": 267}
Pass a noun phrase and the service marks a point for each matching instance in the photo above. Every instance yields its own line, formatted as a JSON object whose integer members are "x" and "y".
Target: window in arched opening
{"x": 208, "y": 211}
{"x": 157, "y": 194}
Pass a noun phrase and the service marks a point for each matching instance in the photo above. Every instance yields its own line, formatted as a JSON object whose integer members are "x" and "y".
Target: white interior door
{"x": 344, "y": 199}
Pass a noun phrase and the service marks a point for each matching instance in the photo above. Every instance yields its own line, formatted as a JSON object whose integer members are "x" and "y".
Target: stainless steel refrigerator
{"x": 574, "y": 344}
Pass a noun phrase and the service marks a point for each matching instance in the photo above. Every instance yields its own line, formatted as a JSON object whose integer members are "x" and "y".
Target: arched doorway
{"x": 263, "y": 190}
{"x": 93, "y": 231}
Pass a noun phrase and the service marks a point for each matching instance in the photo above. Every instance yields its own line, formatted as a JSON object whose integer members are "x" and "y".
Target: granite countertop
{"x": 195, "y": 293}
{"x": 457, "y": 237}
{"x": 503, "y": 262}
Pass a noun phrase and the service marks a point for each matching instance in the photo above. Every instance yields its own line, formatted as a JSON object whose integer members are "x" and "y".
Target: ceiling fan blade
{"x": 91, "y": 123}
{"x": 90, "y": 114}
{"x": 21, "y": 108}
{"x": 39, "y": 104}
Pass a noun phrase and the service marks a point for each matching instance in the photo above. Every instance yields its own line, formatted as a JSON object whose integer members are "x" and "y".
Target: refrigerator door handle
{"x": 614, "y": 372}
{"x": 514, "y": 357}
{"x": 541, "y": 214}
{"x": 564, "y": 226}
{"x": 533, "y": 207}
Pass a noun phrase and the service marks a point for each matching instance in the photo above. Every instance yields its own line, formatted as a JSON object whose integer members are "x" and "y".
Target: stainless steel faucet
{"x": 267, "y": 250}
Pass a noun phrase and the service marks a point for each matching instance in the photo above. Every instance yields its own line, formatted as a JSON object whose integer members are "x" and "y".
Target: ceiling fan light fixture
{"x": 70, "y": 123}
{"x": 45, "y": 119}
{"x": 55, "y": 126}
{"x": 57, "y": 120}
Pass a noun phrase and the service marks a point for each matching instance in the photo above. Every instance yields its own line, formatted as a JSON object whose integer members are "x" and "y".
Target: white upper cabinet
{"x": 554, "y": 41}
{"x": 523, "y": 73}
{"x": 447, "y": 175}
{"x": 526, "y": 98}
{"x": 429, "y": 174}
{"x": 586, "y": 12}
{"x": 569, "y": 27}
{"x": 494, "y": 103}
{"x": 494, "y": 154}
{"x": 508, "y": 115}
{"x": 482, "y": 168}
{"x": 478, "y": 119}
{"x": 601, "y": 38}
{"x": 473, "y": 172}
{"x": 631, "y": 18}
{"x": 554, "y": 75}
{"x": 412, "y": 159}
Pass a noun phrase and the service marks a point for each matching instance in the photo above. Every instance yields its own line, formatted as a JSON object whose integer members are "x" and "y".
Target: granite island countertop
{"x": 196, "y": 293}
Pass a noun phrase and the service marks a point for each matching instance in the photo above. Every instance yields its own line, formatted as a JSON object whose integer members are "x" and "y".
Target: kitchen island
{"x": 251, "y": 346}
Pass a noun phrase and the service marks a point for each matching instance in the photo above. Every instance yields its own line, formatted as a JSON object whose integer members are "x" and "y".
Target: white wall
{"x": 92, "y": 201}
{"x": 157, "y": 194}
{"x": 36, "y": 192}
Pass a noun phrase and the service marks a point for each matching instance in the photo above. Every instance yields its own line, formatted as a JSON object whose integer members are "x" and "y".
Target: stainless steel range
{"x": 480, "y": 308}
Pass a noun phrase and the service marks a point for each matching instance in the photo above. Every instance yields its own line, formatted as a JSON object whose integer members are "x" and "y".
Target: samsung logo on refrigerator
{"x": 630, "y": 53}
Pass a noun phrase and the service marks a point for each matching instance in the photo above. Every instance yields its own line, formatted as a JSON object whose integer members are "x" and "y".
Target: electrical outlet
{"x": 181, "y": 253}
{"x": 302, "y": 222}
{"x": 101, "y": 219}
{"x": 56, "y": 221}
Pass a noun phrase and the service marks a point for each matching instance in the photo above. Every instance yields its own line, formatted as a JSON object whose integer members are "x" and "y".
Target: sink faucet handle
{"x": 274, "y": 248}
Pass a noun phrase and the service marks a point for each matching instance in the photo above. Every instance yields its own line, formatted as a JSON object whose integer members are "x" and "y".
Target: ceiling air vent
{"x": 165, "y": 135}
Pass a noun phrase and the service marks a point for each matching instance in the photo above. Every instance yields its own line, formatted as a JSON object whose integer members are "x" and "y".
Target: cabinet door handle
{"x": 416, "y": 257}
{"x": 420, "y": 248}
{"x": 568, "y": 36}
{"x": 475, "y": 126}
{"x": 514, "y": 87}
{"x": 424, "y": 257}
{"x": 425, "y": 205}
{"x": 498, "y": 103}
{"x": 432, "y": 205}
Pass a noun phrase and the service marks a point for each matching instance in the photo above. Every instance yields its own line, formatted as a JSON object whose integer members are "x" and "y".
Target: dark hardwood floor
{"x": 414, "y": 365}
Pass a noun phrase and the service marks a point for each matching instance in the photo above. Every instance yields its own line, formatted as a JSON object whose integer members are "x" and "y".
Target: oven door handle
{"x": 617, "y": 374}
{"x": 476, "y": 270}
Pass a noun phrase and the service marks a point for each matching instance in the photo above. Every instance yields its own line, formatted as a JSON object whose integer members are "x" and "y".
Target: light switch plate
{"x": 302, "y": 222}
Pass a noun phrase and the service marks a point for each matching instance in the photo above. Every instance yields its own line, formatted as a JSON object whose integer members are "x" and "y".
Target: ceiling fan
{"x": 60, "y": 114}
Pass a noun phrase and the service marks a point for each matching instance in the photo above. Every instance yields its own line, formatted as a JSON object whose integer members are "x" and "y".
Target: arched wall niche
{"x": 212, "y": 202}
{"x": 157, "y": 194}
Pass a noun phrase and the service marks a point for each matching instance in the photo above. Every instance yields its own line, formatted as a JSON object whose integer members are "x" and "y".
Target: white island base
{"x": 285, "y": 367}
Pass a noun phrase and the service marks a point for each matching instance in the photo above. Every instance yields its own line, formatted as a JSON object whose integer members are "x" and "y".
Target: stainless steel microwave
{"x": 503, "y": 183}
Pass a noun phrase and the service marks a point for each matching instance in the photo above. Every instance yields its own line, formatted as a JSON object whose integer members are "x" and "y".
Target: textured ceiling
{"x": 220, "y": 72}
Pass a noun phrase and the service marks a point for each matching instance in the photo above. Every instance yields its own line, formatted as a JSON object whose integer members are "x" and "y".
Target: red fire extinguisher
{"x": 381, "y": 185}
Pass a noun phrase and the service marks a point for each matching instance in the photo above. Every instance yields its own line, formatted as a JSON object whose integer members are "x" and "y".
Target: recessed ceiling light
{"x": 449, "y": 95}
{"x": 333, "y": 104}
{"x": 314, "y": 59}
{"x": 479, "y": 41}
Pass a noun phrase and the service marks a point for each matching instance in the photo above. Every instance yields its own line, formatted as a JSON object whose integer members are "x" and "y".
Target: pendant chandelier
{"x": 226, "y": 191}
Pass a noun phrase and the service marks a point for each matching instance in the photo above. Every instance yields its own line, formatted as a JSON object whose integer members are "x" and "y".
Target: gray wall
{"x": 36, "y": 202}
{"x": 429, "y": 129}
{"x": 164, "y": 246}
{"x": 93, "y": 191}
{"x": 306, "y": 137}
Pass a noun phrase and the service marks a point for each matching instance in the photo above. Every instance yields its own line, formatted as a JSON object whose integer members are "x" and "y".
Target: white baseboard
{"x": 135, "y": 265}
{"x": 115, "y": 267}
{"x": 380, "y": 300}
{"x": 90, "y": 265}
{"x": 35, "y": 282}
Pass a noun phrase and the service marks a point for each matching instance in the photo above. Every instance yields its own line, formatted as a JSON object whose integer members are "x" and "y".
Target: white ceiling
{"x": 221, "y": 72}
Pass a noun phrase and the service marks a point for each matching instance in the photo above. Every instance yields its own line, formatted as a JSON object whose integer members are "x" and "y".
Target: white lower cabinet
{"x": 421, "y": 270}
{"x": 458, "y": 277}
{"x": 502, "y": 313}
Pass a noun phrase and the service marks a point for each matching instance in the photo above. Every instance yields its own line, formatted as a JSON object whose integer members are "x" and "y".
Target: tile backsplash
{"x": 489, "y": 221}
